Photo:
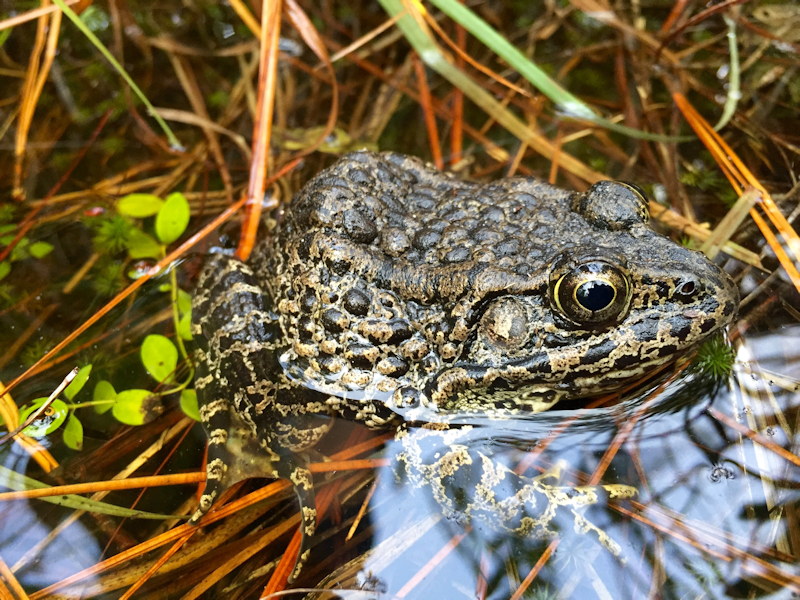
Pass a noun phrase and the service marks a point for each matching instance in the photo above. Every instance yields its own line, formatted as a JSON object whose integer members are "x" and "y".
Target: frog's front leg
{"x": 468, "y": 485}
{"x": 256, "y": 426}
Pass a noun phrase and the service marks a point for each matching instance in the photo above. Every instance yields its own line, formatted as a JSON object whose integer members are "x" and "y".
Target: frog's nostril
{"x": 687, "y": 289}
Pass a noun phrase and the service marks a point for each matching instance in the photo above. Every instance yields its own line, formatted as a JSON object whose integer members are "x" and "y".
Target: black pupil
{"x": 595, "y": 295}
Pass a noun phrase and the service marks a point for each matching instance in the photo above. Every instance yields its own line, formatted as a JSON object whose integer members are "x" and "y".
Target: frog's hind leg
{"x": 295, "y": 433}
{"x": 234, "y": 333}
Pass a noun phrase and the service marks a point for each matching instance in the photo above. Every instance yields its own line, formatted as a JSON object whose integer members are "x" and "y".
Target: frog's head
{"x": 616, "y": 300}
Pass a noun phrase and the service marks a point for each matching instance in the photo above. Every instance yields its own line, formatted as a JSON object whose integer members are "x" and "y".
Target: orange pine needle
{"x": 110, "y": 485}
{"x": 755, "y": 437}
{"x": 740, "y": 179}
{"x": 428, "y": 113}
{"x": 523, "y": 587}
{"x": 429, "y": 566}
{"x": 262, "y": 128}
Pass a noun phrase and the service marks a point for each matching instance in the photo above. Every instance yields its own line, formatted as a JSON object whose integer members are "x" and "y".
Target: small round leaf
{"x": 142, "y": 245}
{"x": 5, "y": 268}
{"x": 184, "y": 301}
{"x": 139, "y": 205}
{"x": 78, "y": 382}
{"x": 172, "y": 218}
{"x": 136, "y": 407}
{"x": 189, "y": 404}
{"x": 105, "y": 393}
{"x": 73, "y": 433}
{"x": 40, "y": 249}
{"x": 159, "y": 357}
{"x": 52, "y": 418}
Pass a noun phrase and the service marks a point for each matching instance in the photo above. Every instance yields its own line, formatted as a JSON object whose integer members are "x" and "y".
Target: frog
{"x": 426, "y": 305}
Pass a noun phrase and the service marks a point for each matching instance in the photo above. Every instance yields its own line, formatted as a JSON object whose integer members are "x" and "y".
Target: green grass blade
{"x": 566, "y": 102}
{"x": 173, "y": 141}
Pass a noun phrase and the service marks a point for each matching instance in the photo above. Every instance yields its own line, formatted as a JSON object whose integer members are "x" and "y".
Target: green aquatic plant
{"x": 715, "y": 358}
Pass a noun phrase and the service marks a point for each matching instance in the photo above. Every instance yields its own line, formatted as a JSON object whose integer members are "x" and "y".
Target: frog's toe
{"x": 216, "y": 470}
{"x": 301, "y": 479}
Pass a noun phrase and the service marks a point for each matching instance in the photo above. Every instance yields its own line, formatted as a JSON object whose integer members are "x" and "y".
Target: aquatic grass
{"x": 715, "y": 358}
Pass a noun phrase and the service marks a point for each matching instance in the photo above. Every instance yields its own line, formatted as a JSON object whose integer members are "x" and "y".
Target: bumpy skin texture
{"x": 404, "y": 298}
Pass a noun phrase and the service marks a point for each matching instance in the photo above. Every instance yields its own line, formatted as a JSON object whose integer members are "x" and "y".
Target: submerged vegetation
{"x": 104, "y": 220}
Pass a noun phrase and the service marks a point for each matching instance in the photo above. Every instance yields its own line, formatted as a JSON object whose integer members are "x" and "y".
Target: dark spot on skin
{"x": 359, "y": 226}
{"x": 425, "y": 239}
{"x": 625, "y": 361}
{"x": 359, "y": 176}
{"x": 667, "y": 350}
{"x": 334, "y": 320}
{"x": 338, "y": 265}
{"x": 305, "y": 328}
{"x": 443, "y": 327}
{"x": 507, "y": 248}
{"x": 680, "y": 328}
{"x": 356, "y": 302}
{"x": 499, "y": 384}
{"x": 421, "y": 199}
{"x": 361, "y": 356}
{"x": 309, "y": 301}
{"x": 484, "y": 235}
{"x": 409, "y": 397}
{"x": 707, "y": 325}
{"x": 597, "y": 352}
{"x": 457, "y": 255}
{"x": 397, "y": 365}
{"x": 401, "y": 330}
{"x": 304, "y": 247}
{"x": 388, "y": 301}
{"x": 556, "y": 340}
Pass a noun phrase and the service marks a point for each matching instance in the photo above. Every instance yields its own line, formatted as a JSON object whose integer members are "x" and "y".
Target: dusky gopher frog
{"x": 404, "y": 298}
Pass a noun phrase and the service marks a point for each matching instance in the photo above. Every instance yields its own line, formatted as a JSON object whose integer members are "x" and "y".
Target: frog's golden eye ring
{"x": 505, "y": 324}
{"x": 594, "y": 293}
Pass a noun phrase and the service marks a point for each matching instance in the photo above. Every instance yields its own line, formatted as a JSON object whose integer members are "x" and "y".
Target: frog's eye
{"x": 505, "y": 324}
{"x": 592, "y": 293}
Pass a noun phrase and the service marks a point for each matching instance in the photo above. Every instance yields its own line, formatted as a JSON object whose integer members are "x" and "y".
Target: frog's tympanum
{"x": 406, "y": 299}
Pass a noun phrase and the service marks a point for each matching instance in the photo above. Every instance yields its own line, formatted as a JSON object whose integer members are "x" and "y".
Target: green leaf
{"x": 184, "y": 301}
{"x": 17, "y": 482}
{"x": 184, "y": 328}
{"x": 159, "y": 357}
{"x": 78, "y": 382}
{"x": 189, "y": 404}
{"x": 5, "y": 268}
{"x": 20, "y": 251}
{"x": 134, "y": 407}
{"x": 40, "y": 249}
{"x": 48, "y": 422}
{"x": 172, "y": 218}
{"x": 73, "y": 433}
{"x": 104, "y": 392}
{"x": 142, "y": 245}
{"x": 139, "y": 205}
